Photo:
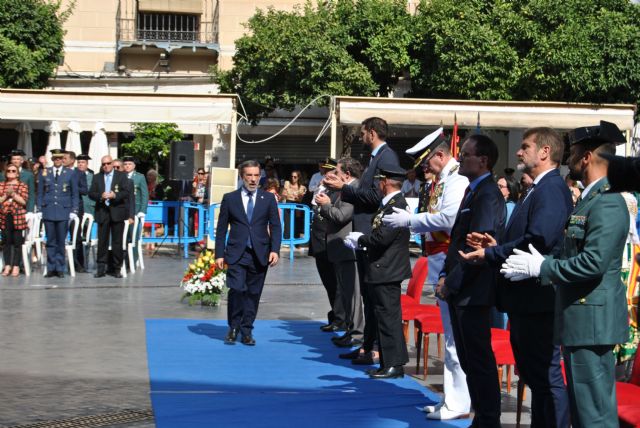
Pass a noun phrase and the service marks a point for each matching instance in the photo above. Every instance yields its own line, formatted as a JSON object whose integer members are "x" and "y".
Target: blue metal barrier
{"x": 288, "y": 213}
{"x": 174, "y": 217}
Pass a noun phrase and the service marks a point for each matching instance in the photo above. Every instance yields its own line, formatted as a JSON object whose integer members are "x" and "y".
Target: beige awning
{"x": 493, "y": 114}
{"x": 194, "y": 114}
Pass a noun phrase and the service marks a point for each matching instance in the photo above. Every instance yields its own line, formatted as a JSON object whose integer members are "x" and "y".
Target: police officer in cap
{"x": 591, "y": 306}
{"x": 58, "y": 200}
{"x": 387, "y": 255}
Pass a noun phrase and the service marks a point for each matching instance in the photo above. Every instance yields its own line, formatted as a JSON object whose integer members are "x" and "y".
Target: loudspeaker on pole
{"x": 181, "y": 160}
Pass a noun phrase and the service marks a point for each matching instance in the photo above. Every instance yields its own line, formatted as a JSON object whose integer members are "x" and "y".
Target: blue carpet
{"x": 292, "y": 378}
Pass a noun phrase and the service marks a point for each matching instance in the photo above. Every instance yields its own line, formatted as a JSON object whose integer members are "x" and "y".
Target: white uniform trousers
{"x": 456, "y": 393}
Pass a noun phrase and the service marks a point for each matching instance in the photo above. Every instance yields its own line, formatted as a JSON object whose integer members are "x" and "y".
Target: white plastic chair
{"x": 136, "y": 244}
{"x": 125, "y": 232}
{"x": 33, "y": 238}
{"x": 70, "y": 244}
{"x": 88, "y": 241}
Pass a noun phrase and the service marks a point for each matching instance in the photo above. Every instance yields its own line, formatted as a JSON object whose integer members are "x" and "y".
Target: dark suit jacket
{"x": 264, "y": 229}
{"x": 387, "y": 247}
{"x": 118, "y": 209}
{"x": 339, "y": 215}
{"x": 366, "y": 197}
{"x": 539, "y": 220}
{"x": 483, "y": 211}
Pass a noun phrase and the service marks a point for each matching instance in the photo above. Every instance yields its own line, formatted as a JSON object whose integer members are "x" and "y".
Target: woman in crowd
{"x": 273, "y": 186}
{"x": 13, "y": 199}
{"x": 200, "y": 187}
{"x": 510, "y": 191}
{"x": 573, "y": 188}
{"x": 293, "y": 192}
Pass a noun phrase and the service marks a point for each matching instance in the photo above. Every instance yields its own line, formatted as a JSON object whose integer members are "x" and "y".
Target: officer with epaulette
{"x": 591, "y": 307}
{"x": 58, "y": 200}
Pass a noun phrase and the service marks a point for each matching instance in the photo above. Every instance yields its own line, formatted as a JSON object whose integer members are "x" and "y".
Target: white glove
{"x": 522, "y": 265}
{"x": 28, "y": 217}
{"x": 399, "y": 218}
{"x": 351, "y": 240}
{"x": 72, "y": 216}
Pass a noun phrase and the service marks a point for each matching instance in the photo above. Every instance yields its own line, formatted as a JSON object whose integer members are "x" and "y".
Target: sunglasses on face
{"x": 106, "y": 163}
{"x": 201, "y": 173}
{"x": 116, "y": 167}
{"x": 12, "y": 170}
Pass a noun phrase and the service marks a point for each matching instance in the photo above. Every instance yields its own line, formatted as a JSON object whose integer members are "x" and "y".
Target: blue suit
{"x": 57, "y": 199}
{"x": 538, "y": 219}
{"x": 246, "y": 252}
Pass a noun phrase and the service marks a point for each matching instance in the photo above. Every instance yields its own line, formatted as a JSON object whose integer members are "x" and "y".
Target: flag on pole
{"x": 454, "y": 137}
{"x": 478, "y": 124}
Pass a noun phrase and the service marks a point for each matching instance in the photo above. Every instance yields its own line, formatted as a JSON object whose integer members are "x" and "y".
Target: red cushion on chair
{"x": 429, "y": 323}
{"x": 629, "y": 415}
{"x": 500, "y": 334}
{"x": 410, "y": 311}
{"x": 627, "y": 394}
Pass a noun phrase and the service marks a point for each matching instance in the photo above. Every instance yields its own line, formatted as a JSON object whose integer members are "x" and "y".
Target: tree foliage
{"x": 562, "y": 50}
{"x": 31, "y": 41}
{"x": 289, "y": 58}
{"x": 152, "y": 141}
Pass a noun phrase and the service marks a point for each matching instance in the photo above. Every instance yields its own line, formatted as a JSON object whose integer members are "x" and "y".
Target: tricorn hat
{"x": 604, "y": 133}
{"x": 83, "y": 157}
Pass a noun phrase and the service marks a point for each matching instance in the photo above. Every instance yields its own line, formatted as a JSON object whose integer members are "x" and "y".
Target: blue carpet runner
{"x": 292, "y": 378}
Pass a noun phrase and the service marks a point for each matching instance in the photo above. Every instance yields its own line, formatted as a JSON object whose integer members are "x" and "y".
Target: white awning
{"x": 194, "y": 114}
{"x": 493, "y": 114}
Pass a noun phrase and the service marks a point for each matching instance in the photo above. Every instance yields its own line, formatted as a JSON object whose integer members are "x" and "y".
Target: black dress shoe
{"x": 365, "y": 359}
{"x": 81, "y": 270}
{"x": 51, "y": 274}
{"x": 330, "y": 328}
{"x": 230, "y": 338}
{"x": 116, "y": 275}
{"x": 339, "y": 338}
{"x": 60, "y": 275}
{"x": 388, "y": 373}
{"x": 99, "y": 274}
{"x": 371, "y": 371}
{"x": 349, "y": 342}
{"x": 248, "y": 340}
{"x": 350, "y": 355}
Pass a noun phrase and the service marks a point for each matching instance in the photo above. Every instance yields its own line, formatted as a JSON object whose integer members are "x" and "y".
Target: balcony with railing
{"x": 167, "y": 30}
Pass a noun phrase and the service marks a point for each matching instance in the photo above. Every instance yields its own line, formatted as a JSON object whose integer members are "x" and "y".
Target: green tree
{"x": 152, "y": 141}
{"x": 31, "y": 41}
{"x": 336, "y": 48}
{"x": 560, "y": 50}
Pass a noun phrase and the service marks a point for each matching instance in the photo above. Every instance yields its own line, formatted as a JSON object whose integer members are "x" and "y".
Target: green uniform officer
{"x": 591, "y": 310}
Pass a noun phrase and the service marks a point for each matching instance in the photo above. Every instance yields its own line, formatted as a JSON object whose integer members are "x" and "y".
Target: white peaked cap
{"x": 425, "y": 142}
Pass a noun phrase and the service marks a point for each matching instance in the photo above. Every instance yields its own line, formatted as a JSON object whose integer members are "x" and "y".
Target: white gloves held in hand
{"x": 351, "y": 240}
{"x": 522, "y": 265}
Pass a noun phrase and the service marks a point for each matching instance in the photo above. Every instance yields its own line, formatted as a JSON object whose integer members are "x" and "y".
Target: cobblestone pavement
{"x": 75, "y": 347}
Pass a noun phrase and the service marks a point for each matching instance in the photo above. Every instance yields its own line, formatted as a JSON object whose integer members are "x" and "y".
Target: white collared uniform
{"x": 437, "y": 223}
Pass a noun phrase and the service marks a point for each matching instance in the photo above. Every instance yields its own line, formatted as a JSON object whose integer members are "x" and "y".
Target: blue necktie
{"x": 249, "y": 215}
{"x": 107, "y": 188}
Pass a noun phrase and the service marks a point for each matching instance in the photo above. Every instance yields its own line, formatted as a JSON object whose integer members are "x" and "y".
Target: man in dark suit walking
{"x": 366, "y": 200}
{"x": 470, "y": 289}
{"x": 251, "y": 216}
{"x": 387, "y": 252}
{"x": 110, "y": 190}
{"x": 58, "y": 201}
{"x": 539, "y": 219}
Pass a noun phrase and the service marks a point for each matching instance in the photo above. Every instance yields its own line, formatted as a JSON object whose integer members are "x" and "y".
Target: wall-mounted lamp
{"x": 164, "y": 60}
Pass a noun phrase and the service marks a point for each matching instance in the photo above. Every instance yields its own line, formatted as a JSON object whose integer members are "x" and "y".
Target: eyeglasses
{"x": 201, "y": 173}
{"x": 294, "y": 176}
{"x": 12, "y": 170}
{"x": 116, "y": 167}
{"x": 106, "y": 163}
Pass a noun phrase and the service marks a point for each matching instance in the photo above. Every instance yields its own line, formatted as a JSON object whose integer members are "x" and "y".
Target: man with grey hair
{"x": 251, "y": 216}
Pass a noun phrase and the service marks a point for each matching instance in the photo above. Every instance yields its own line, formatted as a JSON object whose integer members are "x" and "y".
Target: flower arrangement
{"x": 203, "y": 281}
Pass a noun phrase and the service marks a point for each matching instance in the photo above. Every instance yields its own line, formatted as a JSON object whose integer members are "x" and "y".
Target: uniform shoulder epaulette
{"x": 454, "y": 169}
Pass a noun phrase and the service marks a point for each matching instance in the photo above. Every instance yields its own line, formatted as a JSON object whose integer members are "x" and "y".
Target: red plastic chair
{"x": 410, "y": 301}
{"x": 501, "y": 346}
{"x": 628, "y": 395}
{"x": 427, "y": 323}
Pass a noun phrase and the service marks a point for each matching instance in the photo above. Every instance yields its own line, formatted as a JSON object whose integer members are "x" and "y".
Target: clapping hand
{"x": 322, "y": 199}
{"x": 332, "y": 182}
{"x": 478, "y": 240}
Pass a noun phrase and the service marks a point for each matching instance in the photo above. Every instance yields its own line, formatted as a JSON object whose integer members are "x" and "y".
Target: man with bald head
{"x": 110, "y": 190}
